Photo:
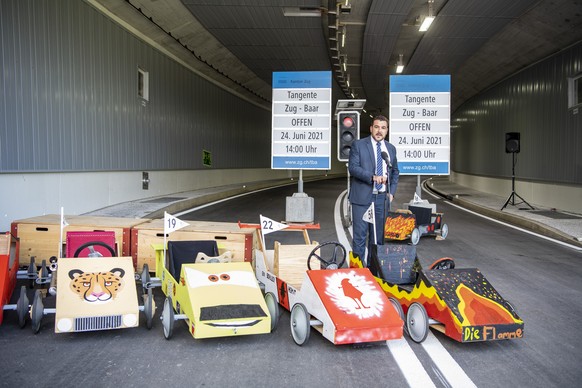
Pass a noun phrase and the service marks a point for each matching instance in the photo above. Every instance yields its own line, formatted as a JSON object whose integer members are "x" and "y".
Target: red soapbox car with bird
{"x": 346, "y": 305}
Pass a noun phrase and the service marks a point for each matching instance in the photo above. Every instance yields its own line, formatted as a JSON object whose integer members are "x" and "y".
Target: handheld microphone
{"x": 386, "y": 159}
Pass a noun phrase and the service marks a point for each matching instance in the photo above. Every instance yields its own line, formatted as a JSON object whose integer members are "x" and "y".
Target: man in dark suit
{"x": 374, "y": 178}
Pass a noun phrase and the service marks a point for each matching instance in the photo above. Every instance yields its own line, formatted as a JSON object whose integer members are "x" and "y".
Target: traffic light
{"x": 348, "y": 131}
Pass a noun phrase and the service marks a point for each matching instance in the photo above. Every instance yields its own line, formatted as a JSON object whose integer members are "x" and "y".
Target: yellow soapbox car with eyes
{"x": 216, "y": 298}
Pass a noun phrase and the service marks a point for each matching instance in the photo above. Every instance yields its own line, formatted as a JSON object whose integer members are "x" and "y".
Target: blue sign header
{"x": 420, "y": 83}
{"x": 302, "y": 80}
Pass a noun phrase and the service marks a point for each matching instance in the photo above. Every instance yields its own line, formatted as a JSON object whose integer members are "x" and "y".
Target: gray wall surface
{"x": 68, "y": 100}
{"x": 534, "y": 103}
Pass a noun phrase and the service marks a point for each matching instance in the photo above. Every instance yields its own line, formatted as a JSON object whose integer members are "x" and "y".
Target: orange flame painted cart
{"x": 461, "y": 303}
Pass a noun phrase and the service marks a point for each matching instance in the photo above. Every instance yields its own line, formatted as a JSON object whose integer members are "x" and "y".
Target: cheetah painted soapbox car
{"x": 216, "y": 298}
{"x": 346, "y": 305}
{"x": 461, "y": 303}
{"x": 93, "y": 292}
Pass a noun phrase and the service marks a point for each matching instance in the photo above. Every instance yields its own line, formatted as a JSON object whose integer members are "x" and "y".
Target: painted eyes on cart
{"x": 215, "y": 278}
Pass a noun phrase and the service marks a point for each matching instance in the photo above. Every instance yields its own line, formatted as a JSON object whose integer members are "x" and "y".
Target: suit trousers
{"x": 364, "y": 231}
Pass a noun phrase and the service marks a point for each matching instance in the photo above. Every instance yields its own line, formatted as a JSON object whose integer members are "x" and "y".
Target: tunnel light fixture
{"x": 428, "y": 19}
{"x": 400, "y": 64}
{"x": 302, "y": 11}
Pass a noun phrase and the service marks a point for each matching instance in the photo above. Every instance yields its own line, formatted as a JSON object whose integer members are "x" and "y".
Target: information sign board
{"x": 420, "y": 118}
{"x": 301, "y": 120}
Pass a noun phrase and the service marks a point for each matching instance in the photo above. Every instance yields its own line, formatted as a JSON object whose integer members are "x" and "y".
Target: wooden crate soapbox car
{"x": 460, "y": 303}
{"x": 414, "y": 223}
{"x": 95, "y": 290}
{"x": 216, "y": 297}
{"x": 346, "y": 305}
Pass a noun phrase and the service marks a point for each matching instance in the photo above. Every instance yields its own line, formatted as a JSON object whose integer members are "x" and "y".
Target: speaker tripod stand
{"x": 513, "y": 194}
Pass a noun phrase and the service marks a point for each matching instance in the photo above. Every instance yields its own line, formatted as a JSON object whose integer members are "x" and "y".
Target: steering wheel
{"x": 332, "y": 263}
{"x": 94, "y": 253}
{"x": 443, "y": 263}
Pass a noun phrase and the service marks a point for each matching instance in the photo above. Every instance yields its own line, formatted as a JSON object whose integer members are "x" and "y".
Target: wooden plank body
{"x": 39, "y": 236}
{"x": 228, "y": 236}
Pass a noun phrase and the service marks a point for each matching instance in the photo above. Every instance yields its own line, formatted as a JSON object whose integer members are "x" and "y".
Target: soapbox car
{"x": 460, "y": 303}
{"x": 346, "y": 305}
{"x": 216, "y": 297}
{"x": 93, "y": 291}
{"x": 414, "y": 223}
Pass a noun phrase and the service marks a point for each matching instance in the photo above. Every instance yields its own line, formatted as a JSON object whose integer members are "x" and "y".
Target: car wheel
{"x": 273, "y": 307}
{"x": 37, "y": 311}
{"x": 22, "y": 307}
{"x": 300, "y": 325}
{"x": 168, "y": 318}
{"x": 417, "y": 322}
{"x": 444, "y": 231}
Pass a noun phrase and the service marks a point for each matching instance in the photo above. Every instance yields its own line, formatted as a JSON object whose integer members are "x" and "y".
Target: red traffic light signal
{"x": 348, "y": 123}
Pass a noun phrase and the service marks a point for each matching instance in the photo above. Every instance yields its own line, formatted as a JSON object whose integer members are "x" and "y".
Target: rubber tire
{"x": 37, "y": 312}
{"x": 145, "y": 277}
{"x": 415, "y": 236}
{"x": 44, "y": 273}
{"x": 417, "y": 322}
{"x": 397, "y": 307}
{"x": 22, "y": 307}
{"x": 168, "y": 318}
{"x": 444, "y": 231}
{"x": 300, "y": 325}
{"x": 273, "y": 307}
{"x": 148, "y": 308}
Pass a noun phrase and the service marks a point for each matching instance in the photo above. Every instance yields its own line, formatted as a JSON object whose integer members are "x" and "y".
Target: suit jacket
{"x": 362, "y": 167}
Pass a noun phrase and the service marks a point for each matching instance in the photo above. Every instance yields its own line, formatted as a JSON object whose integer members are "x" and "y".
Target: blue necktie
{"x": 379, "y": 167}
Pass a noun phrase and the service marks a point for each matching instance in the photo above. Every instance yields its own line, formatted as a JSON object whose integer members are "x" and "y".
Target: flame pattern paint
{"x": 462, "y": 300}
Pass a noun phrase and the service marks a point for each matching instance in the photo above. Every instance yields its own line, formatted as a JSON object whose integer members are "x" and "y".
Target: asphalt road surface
{"x": 540, "y": 278}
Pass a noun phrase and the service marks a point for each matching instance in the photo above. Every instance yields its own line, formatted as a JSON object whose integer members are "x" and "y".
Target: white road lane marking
{"x": 451, "y": 371}
{"x": 409, "y": 364}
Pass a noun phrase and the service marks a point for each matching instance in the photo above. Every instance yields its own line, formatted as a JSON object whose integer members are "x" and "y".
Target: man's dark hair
{"x": 380, "y": 118}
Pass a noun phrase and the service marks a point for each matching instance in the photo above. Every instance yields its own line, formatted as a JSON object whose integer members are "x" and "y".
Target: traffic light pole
{"x": 347, "y": 219}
